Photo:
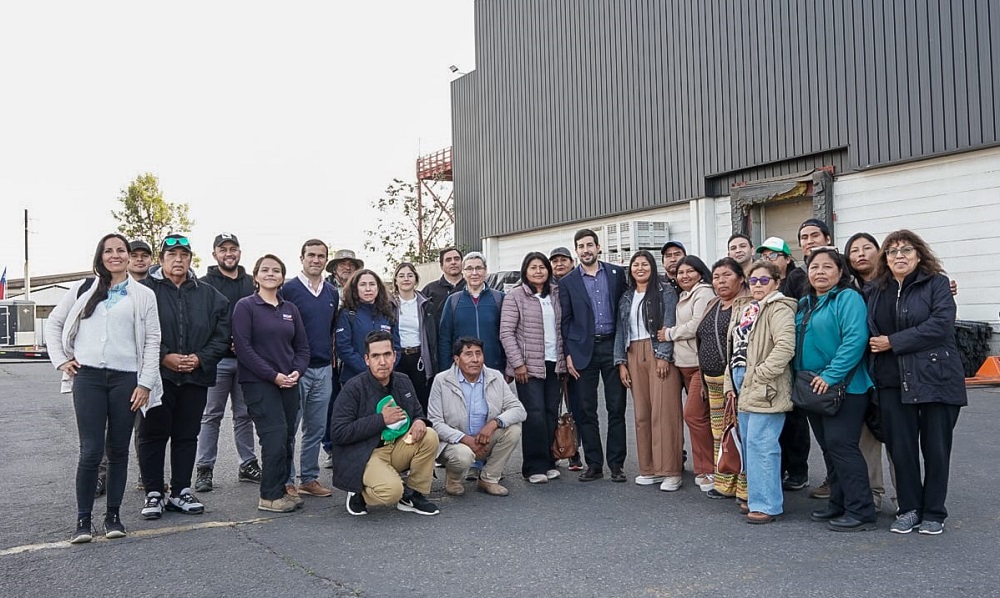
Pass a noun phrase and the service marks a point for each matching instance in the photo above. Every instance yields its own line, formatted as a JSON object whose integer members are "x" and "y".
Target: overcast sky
{"x": 274, "y": 121}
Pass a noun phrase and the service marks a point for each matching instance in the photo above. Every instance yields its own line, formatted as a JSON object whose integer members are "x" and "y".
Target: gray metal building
{"x": 582, "y": 108}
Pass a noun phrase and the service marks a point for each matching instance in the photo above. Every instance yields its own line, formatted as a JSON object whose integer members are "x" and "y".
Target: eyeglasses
{"x": 183, "y": 241}
{"x": 904, "y": 251}
{"x": 772, "y": 257}
{"x": 474, "y": 269}
{"x": 761, "y": 280}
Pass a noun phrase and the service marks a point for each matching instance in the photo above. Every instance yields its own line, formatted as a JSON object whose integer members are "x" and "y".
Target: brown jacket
{"x": 767, "y": 387}
{"x": 522, "y": 332}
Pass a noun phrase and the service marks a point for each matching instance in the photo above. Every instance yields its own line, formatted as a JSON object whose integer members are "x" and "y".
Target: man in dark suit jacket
{"x": 589, "y": 298}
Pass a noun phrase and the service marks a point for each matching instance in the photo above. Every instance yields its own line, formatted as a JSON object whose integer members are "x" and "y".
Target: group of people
{"x": 388, "y": 383}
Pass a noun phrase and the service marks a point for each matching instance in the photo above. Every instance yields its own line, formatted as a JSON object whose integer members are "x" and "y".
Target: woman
{"x": 729, "y": 282}
{"x": 918, "y": 373}
{"x": 645, "y": 365}
{"x": 696, "y": 292}
{"x": 417, "y": 331}
{"x": 759, "y": 378}
{"x": 531, "y": 337}
{"x": 366, "y": 309}
{"x": 272, "y": 353}
{"x": 831, "y": 327}
{"x": 862, "y": 252}
{"x": 104, "y": 336}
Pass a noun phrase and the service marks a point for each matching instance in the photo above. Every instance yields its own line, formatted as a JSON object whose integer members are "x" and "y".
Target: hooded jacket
{"x": 767, "y": 386}
{"x": 194, "y": 318}
{"x": 233, "y": 289}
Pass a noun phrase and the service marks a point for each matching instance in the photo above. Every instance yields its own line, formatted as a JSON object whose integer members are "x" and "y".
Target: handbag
{"x": 824, "y": 403}
{"x": 730, "y": 457}
{"x": 564, "y": 442}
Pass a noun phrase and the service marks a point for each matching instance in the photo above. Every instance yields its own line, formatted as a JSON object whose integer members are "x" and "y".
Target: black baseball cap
{"x": 225, "y": 238}
{"x": 563, "y": 251}
{"x": 140, "y": 245}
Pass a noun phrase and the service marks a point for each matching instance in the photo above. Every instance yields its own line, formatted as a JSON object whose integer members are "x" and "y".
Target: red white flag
{"x": 3, "y": 285}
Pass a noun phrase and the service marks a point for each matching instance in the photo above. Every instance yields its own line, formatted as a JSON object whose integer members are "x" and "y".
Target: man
{"x": 342, "y": 267}
{"x": 562, "y": 262}
{"x": 740, "y": 248}
{"x": 672, "y": 252}
{"x": 195, "y": 334}
{"x": 140, "y": 258}
{"x": 473, "y": 311}
{"x": 476, "y": 416}
{"x": 379, "y": 430}
{"x": 775, "y": 249}
{"x": 451, "y": 281}
{"x": 589, "y": 297}
{"x": 317, "y": 301}
{"x": 229, "y": 278}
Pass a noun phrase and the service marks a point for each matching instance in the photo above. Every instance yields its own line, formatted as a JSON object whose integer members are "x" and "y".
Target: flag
{"x": 3, "y": 285}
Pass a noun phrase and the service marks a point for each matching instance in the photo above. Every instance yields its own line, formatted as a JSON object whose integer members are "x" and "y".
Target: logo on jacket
{"x": 286, "y": 317}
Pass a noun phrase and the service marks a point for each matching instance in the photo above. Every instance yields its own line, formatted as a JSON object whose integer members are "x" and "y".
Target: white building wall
{"x": 953, "y": 203}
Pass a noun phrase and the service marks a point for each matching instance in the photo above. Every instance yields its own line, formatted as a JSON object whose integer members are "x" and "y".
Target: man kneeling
{"x": 476, "y": 415}
{"x": 378, "y": 429}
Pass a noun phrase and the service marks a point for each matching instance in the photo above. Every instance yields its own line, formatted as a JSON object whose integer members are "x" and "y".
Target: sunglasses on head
{"x": 762, "y": 280}
{"x": 171, "y": 241}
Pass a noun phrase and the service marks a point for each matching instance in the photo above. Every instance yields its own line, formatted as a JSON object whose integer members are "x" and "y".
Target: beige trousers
{"x": 659, "y": 421}
{"x": 458, "y": 458}
{"x": 383, "y": 486}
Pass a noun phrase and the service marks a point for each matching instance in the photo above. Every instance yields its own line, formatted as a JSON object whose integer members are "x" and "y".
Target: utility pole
{"x": 27, "y": 277}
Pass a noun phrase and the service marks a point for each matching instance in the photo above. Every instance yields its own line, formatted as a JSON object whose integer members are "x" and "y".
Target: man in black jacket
{"x": 195, "y": 335}
{"x": 437, "y": 291}
{"x": 378, "y": 429}
{"x": 232, "y": 280}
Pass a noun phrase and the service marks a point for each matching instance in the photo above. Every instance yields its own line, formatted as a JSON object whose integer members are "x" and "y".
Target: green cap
{"x": 775, "y": 244}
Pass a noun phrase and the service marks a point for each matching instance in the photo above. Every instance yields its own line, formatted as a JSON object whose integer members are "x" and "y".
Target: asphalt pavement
{"x": 564, "y": 538}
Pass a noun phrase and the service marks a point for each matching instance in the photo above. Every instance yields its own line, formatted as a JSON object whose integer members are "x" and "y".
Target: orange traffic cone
{"x": 988, "y": 374}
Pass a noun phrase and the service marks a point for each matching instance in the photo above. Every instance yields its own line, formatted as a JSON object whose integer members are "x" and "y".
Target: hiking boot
{"x": 153, "y": 507}
{"x": 186, "y": 503}
{"x": 823, "y": 491}
{"x": 84, "y": 531}
{"x": 279, "y": 505}
{"x": 113, "y": 526}
{"x": 905, "y": 523}
{"x": 415, "y": 502}
{"x": 250, "y": 472}
{"x": 203, "y": 482}
{"x": 356, "y": 504}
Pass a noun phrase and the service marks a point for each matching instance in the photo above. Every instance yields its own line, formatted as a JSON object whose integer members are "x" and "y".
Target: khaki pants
{"x": 458, "y": 458}
{"x": 382, "y": 484}
{"x": 659, "y": 422}
{"x": 871, "y": 448}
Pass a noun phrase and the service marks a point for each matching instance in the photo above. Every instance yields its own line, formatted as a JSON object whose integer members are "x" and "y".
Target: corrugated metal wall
{"x": 466, "y": 150}
{"x": 584, "y": 108}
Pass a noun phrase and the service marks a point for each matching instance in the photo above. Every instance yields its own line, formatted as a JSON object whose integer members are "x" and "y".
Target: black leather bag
{"x": 826, "y": 403}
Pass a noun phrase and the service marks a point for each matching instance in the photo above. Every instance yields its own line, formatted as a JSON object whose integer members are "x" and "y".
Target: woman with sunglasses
{"x": 832, "y": 328}
{"x": 918, "y": 373}
{"x": 417, "y": 331}
{"x": 104, "y": 336}
{"x": 759, "y": 378}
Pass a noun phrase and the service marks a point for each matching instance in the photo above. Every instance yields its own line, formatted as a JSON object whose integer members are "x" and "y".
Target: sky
{"x": 278, "y": 122}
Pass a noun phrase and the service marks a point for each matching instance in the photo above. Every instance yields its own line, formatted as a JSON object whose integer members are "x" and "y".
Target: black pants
{"x": 104, "y": 416}
{"x": 273, "y": 411}
{"x": 846, "y": 469}
{"x": 102, "y": 469}
{"x": 415, "y": 369}
{"x": 927, "y": 428}
{"x": 178, "y": 420}
{"x": 540, "y": 398}
{"x": 794, "y": 441}
{"x": 584, "y": 392}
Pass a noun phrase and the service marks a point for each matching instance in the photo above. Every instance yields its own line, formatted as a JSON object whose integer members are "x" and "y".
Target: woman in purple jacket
{"x": 531, "y": 337}
{"x": 272, "y": 352}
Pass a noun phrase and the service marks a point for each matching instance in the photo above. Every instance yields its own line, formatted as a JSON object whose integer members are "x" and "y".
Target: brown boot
{"x": 491, "y": 488}
{"x": 453, "y": 485}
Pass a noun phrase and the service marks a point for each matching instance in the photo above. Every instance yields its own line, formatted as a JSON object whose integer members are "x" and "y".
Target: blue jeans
{"x": 759, "y": 433}
{"x": 315, "y": 388}
{"x": 226, "y": 387}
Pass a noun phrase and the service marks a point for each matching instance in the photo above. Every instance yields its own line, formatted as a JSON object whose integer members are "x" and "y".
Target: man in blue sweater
{"x": 317, "y": 302}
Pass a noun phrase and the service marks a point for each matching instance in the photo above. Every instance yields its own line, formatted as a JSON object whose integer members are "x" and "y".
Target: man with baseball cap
{"x": 343, "y": 265}
{"x": 562, "y": 262}
{"x": 140, "y": 258}
{"x": 231, "y": 279}
{"x": 672, "y": 252}
{"x": 195, "y": 335}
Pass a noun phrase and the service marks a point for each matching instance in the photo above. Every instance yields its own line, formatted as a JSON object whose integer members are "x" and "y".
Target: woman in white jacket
{"x": 694, "y": 279}
{"x": 105, "y": 338}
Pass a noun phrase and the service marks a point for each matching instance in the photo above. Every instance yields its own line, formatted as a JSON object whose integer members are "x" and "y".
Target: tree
{"x": 147, "y": 216}
{"x": 413, "y": 227}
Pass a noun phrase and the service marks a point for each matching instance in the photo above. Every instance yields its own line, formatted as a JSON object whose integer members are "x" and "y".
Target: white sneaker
{"x": 671, "y": 483}
{"x": 153, "y": 507}
{"x": 552, "y": 474}
{"x": 186, "y": 503}
{"x": 649, "y": 480}
{"x": 705, "y": 481}
{"x": 538, "y": 478}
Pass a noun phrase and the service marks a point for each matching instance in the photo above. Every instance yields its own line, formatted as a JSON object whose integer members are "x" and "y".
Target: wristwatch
{"x": 499, "y": 422}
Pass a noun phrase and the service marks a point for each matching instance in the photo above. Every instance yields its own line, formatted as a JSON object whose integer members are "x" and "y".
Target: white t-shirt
{"x": 409, "y": 323}
{"x": 636, "y": 325}
{"x": 549, "y": 327}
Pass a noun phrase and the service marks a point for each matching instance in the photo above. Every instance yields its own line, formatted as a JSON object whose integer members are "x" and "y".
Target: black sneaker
{"x": 415, "y": 502}
{"x": 153, "y": 507}
{"x": 356, "y": 504}
{"x": 250, "y": 472}
{"x": 793, "y": 484}
{"x": 84, "y": 531}
{"x": 203, "y": 482}
{"x": 113, "y": 526}
{"x": 185, "y": 502}
{"x": 102, "y": 486}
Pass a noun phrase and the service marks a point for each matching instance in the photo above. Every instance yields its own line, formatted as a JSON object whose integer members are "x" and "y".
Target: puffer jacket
{"x": 522, "y": 331}
{"x": 691, "y": 306}
{"x": 661, "y": 350}
{"x": 767, "y": 386}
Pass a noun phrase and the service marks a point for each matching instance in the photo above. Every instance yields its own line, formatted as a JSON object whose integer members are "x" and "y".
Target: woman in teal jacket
{"x": 832, "y": 331}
